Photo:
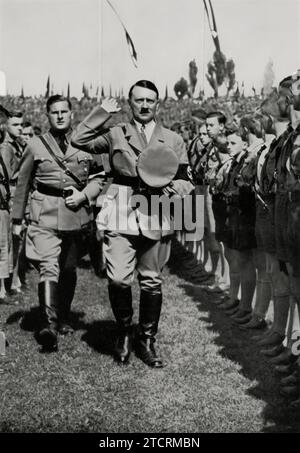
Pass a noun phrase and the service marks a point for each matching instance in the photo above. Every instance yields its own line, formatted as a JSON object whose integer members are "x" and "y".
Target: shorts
{"x": 219, "y": 207}
{"x": 241, "y": 223}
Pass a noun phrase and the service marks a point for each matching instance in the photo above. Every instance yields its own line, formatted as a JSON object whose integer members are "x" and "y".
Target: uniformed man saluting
{"x": 60, "y": 212}
{"x": 138, "y": 247}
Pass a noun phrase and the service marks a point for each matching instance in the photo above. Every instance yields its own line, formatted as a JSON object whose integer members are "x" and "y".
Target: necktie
{"x": 62, "y": 143}
{"x": 143, "y": 134}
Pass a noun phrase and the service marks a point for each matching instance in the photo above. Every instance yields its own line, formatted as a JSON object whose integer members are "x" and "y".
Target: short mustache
{"x": 143, "y": 110}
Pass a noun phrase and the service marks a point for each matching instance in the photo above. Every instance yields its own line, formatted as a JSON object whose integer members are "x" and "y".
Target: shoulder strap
{"x": 60, "y": 163}
{"x": 5, "y": 181}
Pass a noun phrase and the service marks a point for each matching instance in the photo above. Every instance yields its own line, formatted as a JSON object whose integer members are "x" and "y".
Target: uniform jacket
{"x": 248, "y": 170}
{"x": 38, "y": 166}
{"x": 293, "y": 167}
{"x": 123, "y": 144}
{"x": 11, "y": 154}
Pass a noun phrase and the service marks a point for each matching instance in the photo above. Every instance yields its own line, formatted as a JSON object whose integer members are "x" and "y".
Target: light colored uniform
{"x": 55, "y": 231}
{"x": 130, "y": 242}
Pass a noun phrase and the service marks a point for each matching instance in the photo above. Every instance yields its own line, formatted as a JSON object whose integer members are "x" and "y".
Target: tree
{"x": 211, "y": 77}
{"x": 181, "y": 88}
{"x": 269, "y": 78}
{"x": 219, "y": 71}
{"x": 230, "y": 75}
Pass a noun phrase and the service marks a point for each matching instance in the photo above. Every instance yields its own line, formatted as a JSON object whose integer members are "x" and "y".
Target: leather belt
{"x": 131, "y": 181}
{"x": 53, "y": 191}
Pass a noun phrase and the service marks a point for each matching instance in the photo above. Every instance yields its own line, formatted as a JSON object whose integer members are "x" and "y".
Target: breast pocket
{"x": 84, "y": 162}
{"x": 44, "y": 165}
{"x": 36, "y": 204}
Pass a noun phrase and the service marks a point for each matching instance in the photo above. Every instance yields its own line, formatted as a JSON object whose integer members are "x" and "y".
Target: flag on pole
{"x": 22, "y": 92}
{"x": 212, "y": 23}
{"x": 47, "y": 87}
{"x": 237, "y": 91}
{"x": 166, "y": 93}
{"x": 85, "y": 90}
{"x": 132, "y": 51}
{"x": 68, "y": 92}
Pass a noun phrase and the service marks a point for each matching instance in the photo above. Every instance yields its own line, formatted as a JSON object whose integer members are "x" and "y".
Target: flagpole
{"x": 100, "y": 48}
{"x": 203, "y": 55}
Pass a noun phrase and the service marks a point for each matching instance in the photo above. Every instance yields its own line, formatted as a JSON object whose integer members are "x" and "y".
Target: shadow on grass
{"x": 101, "y": 335}
{"x": 237, "y": 346}
{"x": 30, "y": 320}
{"x": 190, "y": 270}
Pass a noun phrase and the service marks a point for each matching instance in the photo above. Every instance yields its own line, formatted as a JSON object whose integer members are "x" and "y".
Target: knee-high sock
{"x": 263, "y": 298}
{"x": 235, "y": 281}
{"x": 281, "y": 313}
{"x": 248, "y": 282}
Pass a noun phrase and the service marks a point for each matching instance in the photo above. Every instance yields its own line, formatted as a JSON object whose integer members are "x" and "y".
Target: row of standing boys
{"x": 248, "y": 169}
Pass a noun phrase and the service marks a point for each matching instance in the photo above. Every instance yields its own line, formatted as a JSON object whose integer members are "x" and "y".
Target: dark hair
{"x": 16, "y": 114}
{"x": 144, "y": 84}
{"x": 267, "y": 123}
{"x": 254, "y": 124}
{"x": 233, "y": 129}
{"x": 57, "y": 98}
{"x": 221, "y": 117}
{"x": 26, "y": 124}
{"x": 37, "y": 130}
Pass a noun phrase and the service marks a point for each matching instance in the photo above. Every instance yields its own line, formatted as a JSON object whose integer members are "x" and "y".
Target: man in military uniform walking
{"x": 60, "y": 212}
{"x": 139, "y": 247}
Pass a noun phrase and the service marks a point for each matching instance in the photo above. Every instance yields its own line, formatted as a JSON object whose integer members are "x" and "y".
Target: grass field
{"x": 215, "y": 379}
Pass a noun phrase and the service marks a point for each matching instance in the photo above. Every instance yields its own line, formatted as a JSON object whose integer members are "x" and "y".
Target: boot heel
{"x": 47, "y": 335}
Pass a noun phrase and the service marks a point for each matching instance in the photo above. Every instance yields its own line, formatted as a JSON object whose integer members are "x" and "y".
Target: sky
{"x": 81, "y": 40}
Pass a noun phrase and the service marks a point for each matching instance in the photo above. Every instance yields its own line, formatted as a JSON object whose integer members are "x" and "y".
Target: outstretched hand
{"x": 110, "y": 105}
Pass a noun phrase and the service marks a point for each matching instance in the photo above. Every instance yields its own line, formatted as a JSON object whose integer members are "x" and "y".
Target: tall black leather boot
{"x": 8, "y": 283}
{"x": 150, "y": 307}
{"x": 48, "y": 301}
{"x": 121, "y": 304}
{"x": 66, "y": 290}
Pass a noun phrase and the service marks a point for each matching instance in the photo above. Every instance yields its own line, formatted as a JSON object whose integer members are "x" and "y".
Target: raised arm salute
{"x": 135, "y": 246}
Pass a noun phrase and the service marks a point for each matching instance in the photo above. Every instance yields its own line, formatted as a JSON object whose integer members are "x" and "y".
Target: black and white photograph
{"x": 149, "y": 219}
